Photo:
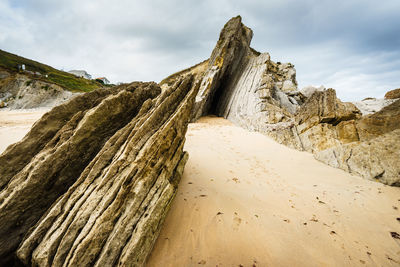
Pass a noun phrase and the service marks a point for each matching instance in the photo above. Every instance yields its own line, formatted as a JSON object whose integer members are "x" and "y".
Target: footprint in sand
{"x": 314, "y": 218}
{"x": 236, "y": 180}
{"x": 237, "y": 221}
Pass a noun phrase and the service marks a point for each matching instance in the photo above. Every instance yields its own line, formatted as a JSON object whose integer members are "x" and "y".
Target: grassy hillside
{"x": 66, "y": 80}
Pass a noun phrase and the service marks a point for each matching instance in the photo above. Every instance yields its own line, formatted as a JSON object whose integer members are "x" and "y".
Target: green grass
{"x": 64, "y": 79}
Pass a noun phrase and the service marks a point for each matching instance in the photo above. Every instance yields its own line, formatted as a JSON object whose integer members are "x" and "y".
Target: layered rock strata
{"x": 249, "y": 89}
{"x": 370, "y": 146}
{"x": 98, "y": 184}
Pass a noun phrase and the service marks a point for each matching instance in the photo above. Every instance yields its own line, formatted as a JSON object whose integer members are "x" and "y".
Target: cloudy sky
{"x": 352, "y": 46}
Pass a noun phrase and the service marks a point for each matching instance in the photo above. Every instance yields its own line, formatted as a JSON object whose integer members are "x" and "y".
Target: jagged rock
{"x": 18, "y": 155}
{"x": 376, "y": 159}
{"x": 393, "y": 94}
{"x": 369, "y": 147}
{"x": 379, "y": 123}
{"x": 252, "y": 100}
{"x": 324, "y": 107}
{"x": 228, "y": 56}
{"x": 243, "y": 85}
{"x": 113, "y": 159}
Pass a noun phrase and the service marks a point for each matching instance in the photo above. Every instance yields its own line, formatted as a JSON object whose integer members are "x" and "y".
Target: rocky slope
{"x": 19, "y": 91}
{"x": 25, "y": 83}
{"x": 249, "y": 89}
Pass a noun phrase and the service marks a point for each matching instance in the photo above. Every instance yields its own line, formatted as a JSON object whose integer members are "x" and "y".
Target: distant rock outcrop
{"x": 393, "y": 94}
{"x": 371, "y": 105}
{"x": 19, "y": 91}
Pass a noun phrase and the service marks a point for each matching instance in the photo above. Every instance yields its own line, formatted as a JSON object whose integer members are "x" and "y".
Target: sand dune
{"x": 245, "y": 200}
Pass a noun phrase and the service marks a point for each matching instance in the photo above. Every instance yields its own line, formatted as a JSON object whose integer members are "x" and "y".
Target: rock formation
{"x": 95, "y": 176}
{"x": 249, "y": 89}
{"x": 91, "y": 183}
{"x": 372, "y": 148}
{"x": 393, "y": 94}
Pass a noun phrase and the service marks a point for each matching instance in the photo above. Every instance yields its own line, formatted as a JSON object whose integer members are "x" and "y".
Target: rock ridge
{"x": 106, "y": 168}
{"x": 256, "y": 93}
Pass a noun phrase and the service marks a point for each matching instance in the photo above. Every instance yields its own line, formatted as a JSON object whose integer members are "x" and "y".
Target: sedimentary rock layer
{"x": 252, "y": 91}
{"x": 369, "y": 147}
{"x": 113, "y": 164}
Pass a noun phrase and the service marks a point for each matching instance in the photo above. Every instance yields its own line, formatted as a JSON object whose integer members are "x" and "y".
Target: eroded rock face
{"x": 324, "y": 121}
{"x": 228, "y": 56}
{"x": 108, "y": 165}
{"x": 246, "y": 86}
{"x": 367, "y": 146}
{"x": 19, "y": 92}
{"x": 376, "y": 159}
{"x": 339, "y": 136}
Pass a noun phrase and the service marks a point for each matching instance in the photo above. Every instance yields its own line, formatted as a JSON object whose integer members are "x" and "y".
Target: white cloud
{"x": 351, "y": 46}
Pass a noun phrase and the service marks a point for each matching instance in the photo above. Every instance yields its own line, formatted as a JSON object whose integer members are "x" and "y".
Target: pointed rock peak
{"x": 235, "y": 29}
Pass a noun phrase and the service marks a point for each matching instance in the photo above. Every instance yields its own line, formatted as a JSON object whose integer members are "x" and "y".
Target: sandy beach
{"x": 14, "y": 124}
{"x": 245, "y": 200}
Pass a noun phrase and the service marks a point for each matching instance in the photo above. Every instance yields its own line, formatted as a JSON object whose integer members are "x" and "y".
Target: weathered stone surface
{"x": 368, "y": 147}
{"x": 381, "y": 122}
{"x": 252, "y": 100}
{"x": 91, "y": 183}
{"x": 376, "y": 159}
{"x": 113, "y": 162}
{"x": 324, "y": 107}
{"x": 393, "y": 94}
{"x": 20, "y": 154}
{"x": 57, "y": 160}
{"x": 228, "y": 56}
